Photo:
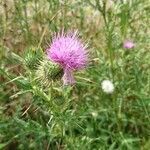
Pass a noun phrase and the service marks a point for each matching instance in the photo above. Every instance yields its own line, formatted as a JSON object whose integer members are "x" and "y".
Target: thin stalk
{"x": 6, "y": 16}
{"x": 26, "y": 20}
{"x": 108, "y": 34}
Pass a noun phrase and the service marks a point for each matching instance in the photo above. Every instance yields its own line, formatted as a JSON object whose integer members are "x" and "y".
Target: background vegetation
{"x": 35, "y": 116}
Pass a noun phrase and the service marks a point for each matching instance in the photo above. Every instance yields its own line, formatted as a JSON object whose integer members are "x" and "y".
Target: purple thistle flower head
{"x": 128, "y": 44}
{"x": 68, "y": 51}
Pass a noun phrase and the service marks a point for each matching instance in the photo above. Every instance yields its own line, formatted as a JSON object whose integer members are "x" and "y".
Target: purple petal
{"x": 128, "y": 44}
{"x": 68, "y": 50}
{"x": 68, "y": 78}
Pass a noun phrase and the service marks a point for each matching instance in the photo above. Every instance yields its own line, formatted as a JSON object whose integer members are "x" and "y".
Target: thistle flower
{"x": 128, "y": 44}
{"x": 70, "y": 53}
{"x": 107, "y": 86}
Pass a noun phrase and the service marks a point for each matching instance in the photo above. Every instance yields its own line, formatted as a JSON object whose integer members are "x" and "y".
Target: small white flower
{"x": 94, "y": 114}
{"x": 107, "y": 86}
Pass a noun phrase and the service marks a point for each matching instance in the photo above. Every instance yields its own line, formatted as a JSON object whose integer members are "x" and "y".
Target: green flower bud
{"x": 32, "y": 57}
{"x": 48, "y": 71}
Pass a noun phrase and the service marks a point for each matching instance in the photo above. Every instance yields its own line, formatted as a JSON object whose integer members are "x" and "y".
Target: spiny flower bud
{"x": 48, "y": 71}
{"x": 32, "y": 57}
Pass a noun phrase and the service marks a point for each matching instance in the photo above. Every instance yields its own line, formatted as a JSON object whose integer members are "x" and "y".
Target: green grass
{"x": 37, "y": 116}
